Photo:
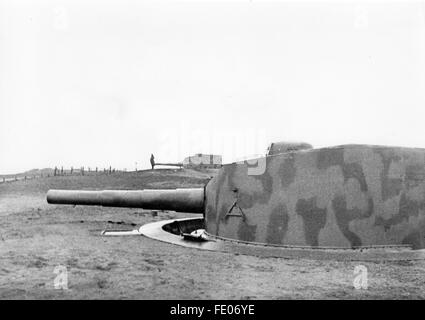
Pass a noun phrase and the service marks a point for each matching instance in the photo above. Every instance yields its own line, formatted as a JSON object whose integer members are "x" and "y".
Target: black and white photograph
{"x": 230, "y": 150}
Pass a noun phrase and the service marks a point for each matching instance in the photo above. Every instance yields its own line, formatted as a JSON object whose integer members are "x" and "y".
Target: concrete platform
{"x": 156, "y": 230}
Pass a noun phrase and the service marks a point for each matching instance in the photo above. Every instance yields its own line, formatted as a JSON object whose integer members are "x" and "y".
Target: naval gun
{"x": 348, "y": 196}
{"x": 180, "y": 200}
{"x": 153, "y": 163}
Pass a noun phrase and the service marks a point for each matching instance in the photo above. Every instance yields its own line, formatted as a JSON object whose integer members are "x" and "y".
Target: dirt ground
{"x": 36, "y": 238}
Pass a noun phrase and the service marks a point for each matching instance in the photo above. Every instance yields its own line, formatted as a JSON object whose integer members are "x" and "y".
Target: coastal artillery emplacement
{"x": 343, "y": 197}
{"x": 154, "y": 163}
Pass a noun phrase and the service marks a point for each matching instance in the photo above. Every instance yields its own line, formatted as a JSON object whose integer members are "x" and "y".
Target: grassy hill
{"x": 151, "y": 179}
{"x": 32, "y": 172}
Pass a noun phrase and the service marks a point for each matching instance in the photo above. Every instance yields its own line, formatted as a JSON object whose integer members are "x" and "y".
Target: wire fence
{"x": 61, "y": 171}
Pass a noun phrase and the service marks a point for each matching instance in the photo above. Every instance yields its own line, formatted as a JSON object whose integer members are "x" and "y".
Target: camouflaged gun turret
{"x": 345, "y": 196}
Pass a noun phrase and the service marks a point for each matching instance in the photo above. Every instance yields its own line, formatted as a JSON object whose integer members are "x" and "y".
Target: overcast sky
{"x": 98, "y": 83}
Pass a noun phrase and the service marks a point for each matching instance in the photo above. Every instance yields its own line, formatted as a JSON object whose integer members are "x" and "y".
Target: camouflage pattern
{"x": 284, "y": 146}
{"x": 344, "y": 196}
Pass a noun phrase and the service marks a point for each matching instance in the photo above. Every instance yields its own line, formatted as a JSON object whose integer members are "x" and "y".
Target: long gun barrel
{"x": 169, "y": 164}
{"x": 181, "y": 200}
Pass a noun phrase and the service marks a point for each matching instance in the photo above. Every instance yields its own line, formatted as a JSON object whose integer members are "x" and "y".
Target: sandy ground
{"x": 36, "y": 237}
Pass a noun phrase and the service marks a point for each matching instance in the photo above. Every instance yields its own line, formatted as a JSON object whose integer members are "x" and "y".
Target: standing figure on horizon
{"x": 152, "y": 161}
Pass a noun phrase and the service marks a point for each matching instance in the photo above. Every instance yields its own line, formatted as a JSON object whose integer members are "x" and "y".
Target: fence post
{"x": 62, "y": 171}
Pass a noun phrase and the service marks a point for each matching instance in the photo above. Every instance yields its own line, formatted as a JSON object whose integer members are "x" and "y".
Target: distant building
{"x": 200, "y": 160}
